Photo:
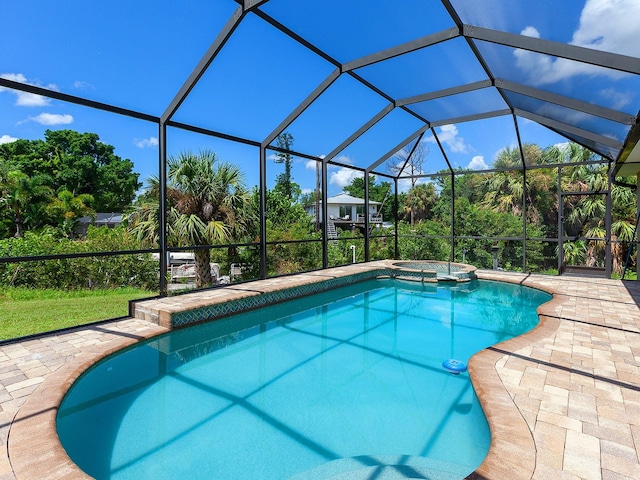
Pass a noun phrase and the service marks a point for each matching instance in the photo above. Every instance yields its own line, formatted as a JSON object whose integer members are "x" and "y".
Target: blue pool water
{"x": 344, "y": 384}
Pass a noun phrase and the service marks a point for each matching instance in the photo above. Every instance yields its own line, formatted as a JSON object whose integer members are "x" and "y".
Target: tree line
{"x": 45, "y": 186}
{"x": 56, "y": 181}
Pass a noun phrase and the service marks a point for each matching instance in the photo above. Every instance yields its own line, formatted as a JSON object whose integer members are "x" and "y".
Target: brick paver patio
{"x": 563, "y": 401}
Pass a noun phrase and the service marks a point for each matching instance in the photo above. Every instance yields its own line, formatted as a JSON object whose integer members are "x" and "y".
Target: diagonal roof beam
{"x": 319, "y": 90}
{"x": 398, "y": 50}
{"x": 444, "y": 154}
{"x": 290, "y": 33}
{"x": 397, "y": 148}
{"x": 65, "y": 97}
{"x": 601, "y": 58}
{"x": 204, "y": 63}
{"x": 406, "y": 162}
{"x": 563, "y": 101}
{"x": 471, "y": 118}
{"x": 445, "y": 92}
{"x": 474, "y": 48}
{"x": 379, "y": 116}
{"x": 522, "y": 159}
{"x": 251, "y": 4}
{"x": 555, "y": 125}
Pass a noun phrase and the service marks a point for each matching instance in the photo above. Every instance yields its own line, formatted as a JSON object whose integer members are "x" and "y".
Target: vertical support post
{"x": 263, "y": 212}
{"x": 524, "y": 195}
{"x": 318, "y": 195}
{"x": 524, "y": 217}
{"x": 560, "y": 233}
{"x": 453, "y": 215}
{"x": 607, "y": 225}
{"x": 366, "y": 216}
{"x": 637, "y": 236}
{"x": 325, "y": 218}
{"x": 162, "y": 205}
{"x": 396, "y": 252}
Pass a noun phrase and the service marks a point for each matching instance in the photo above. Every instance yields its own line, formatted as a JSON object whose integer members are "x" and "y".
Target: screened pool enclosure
{"x": 501, "y": 133}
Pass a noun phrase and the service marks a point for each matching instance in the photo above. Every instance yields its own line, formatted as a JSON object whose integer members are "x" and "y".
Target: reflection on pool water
{"x": 348, "y": 383}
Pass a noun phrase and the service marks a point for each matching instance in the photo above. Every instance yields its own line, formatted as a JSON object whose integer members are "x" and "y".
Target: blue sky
{"x": 136, "y": 55}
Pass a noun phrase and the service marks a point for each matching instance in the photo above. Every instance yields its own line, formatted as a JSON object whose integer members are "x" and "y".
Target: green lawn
{"x": 25, "y": 312}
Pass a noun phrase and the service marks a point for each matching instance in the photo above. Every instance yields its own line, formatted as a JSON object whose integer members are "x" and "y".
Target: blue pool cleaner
{"x": 454, "y": 366}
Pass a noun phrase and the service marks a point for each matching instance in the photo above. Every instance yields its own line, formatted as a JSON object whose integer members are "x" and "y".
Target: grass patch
{"x": 631, "y": 275}
{"x": 27, "y": 311}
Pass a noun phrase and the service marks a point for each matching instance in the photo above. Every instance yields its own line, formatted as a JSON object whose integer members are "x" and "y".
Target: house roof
{"x": 101, "y": 218}
{"x": 346, "y": 199}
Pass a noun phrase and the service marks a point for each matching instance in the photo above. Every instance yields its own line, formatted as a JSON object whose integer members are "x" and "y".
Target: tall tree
{"x": 79, "y": 163}
{"x": 378, "y": 192}
{"x": 408, "y": 162}
{"x": 284, "y": 182}
{"x": 208, "y": 204}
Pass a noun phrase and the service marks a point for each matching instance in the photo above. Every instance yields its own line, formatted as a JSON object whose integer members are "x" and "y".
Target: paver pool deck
{"x": 563, "y": 401}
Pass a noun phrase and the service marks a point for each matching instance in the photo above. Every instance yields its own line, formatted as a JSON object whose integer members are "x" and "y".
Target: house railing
{"x": 373, "y": 217}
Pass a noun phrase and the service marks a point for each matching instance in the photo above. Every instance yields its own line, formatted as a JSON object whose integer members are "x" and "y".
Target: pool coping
{"x": 512, "y": 453}
{"x": 35, "y": 450}
{"x": 204, "y": 305}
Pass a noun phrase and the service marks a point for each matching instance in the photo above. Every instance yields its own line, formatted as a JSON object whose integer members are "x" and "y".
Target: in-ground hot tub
{"x": 436, "y": 270}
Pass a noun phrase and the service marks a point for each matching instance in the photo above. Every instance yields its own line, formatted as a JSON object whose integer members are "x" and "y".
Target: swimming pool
{"x": 345, "y": 382}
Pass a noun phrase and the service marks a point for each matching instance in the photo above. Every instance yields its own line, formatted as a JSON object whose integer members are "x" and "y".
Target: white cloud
{"x": 404, "y": 185}
{"x": 477, "y": 163}
{"x": 563, "y": 114}
{"x": 306, "y": 191}
{"x": 343, "y": 159}
{"x": 344, "y": 176}
{"x": 83, "y": 85}
{"x": 594, "y": 31}
{"x": 618, "y": 100}
{"x": 25, "y": 99}
{"x": 145, "y": 142}
{"x": 609, "y": 25}
{"x": 311, "y": 165}
{"x": 14, "y": 77}
{"x": 448, "y": 135}
{"x": 7, "y": 139}
{"x": 52, "y": 119}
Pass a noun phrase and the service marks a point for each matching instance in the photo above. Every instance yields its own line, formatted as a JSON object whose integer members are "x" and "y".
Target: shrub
{"x": 112, "y": 271}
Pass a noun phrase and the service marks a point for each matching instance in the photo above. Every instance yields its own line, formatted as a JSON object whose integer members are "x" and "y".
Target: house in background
{"x": 347, "y": 212}
{"x": 109, "y": 220}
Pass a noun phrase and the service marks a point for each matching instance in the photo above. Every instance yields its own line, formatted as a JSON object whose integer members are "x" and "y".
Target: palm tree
{"x": 505, "y": 189}
{"x": 587, "y": 212}
{"x": 207, "y": 204}
{"x": 68, "y": 208}
{"x": 19, "y": 192}
{"x": 420, "y": 201}
{"x": 575, "y": 252}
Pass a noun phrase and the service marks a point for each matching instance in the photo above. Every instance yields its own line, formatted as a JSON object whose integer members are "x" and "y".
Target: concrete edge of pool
{"x": 35, "y": 450}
